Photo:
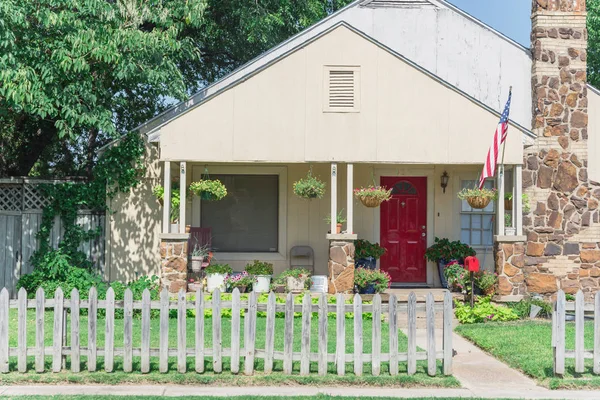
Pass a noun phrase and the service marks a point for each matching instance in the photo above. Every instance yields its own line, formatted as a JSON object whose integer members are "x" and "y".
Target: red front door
{"x": 404, "y": 229}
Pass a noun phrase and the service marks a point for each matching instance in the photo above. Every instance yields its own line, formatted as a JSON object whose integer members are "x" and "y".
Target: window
{"x": 342, "y": 89}
{"x": 246, "y": 220}
{"x": 477, "y": 226}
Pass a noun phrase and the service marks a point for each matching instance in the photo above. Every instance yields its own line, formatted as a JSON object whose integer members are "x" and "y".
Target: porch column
{"x": 167, "y": 197}
{"x": 518, "y": 195}
{"x": 350, "y": 198}
{"x": 500, "y": 202}
{"x": 182, "y": 186}
{"x": 333, "y": 198}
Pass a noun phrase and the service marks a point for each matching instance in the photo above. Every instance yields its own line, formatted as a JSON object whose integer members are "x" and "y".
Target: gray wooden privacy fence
{"x": 249, "y": 352}
{"x": 579, "y": 353}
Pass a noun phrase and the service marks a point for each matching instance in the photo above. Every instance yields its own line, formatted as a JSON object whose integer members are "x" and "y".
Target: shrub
{"x": 259, "y": 268}
{"x": 483, "y": 311}
{"x": 485, "y": 280}
{"x": 523, "y": 308}
{"x": 363, "y": 278}
{"x": 364, "y": 249}
{"x": 223, "y": 269}
{"x": 445, "y": 250}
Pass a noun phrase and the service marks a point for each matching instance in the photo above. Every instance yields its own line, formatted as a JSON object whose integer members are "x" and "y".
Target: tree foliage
{"x": 593, "y": 55}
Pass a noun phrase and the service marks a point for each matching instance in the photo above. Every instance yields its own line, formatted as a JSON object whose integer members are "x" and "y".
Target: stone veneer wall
{"x": 564, "y": 202}
{"x": 341, "y": 266}
{"x": 173, "y": 271}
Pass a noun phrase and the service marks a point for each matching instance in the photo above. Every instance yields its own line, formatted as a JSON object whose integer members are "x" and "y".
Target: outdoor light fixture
{"x": 445, "y": 179}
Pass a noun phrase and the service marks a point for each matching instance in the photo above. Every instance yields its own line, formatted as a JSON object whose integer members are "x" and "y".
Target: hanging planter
{"x": 373, "y": 196}
{"x": 309, "y": 187}
{"x": 208, "y": 189}
{"x": 478, "y": 198}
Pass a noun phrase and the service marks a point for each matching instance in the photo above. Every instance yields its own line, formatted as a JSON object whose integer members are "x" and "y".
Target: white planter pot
{"x": 510, "y": 231}
{"x": 295, "y": 285}
{"x": 214, "y": 281}
{"x": 319, "y": 284}
{"x": 197, "y": 264}
{"x": 174, "y": 228}
{"x": 263, "y": 283}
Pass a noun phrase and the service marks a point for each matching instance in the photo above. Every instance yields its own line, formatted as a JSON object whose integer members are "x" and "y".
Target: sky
{"x": 510, "y": 17}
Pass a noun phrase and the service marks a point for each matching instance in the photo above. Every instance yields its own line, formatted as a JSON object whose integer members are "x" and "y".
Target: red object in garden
{"x": 472, "y": 264}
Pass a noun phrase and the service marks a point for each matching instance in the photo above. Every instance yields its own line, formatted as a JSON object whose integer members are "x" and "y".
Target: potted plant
{"x": 194, "y": 285}
{"x": 198, "y": 255}
{"x": 443, "y": 251}
{"x": 486, "y": 282}
{"x": 159, "y": 192}
{"x": 309, "y": 187}
{"x": 366, "y": 253}
{"x": 455, "y": 275}
{"x": 477, "y": 198}
{"x": 373, "y": 196}
{"x": 508, "y": 202}
{"x": 241, "y": 280}
{"x": 296, "y": 280}
{"x": 368, "y": 281}
{"x": 209, "y": 189}
{"x": 339, "y": 219}
{"x": 263, "y": 272}
{"x": 215, "y": 276}
{"x": 509, "y": 230}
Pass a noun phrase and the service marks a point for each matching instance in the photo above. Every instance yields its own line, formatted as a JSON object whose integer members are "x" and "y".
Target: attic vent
{"x": 396, "y": 3}
{"x": 342, "y": 90}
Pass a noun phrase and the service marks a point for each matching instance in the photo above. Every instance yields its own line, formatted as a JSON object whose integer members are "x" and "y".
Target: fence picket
{"x": 235, "y": 331}
{"x": 109, "y": 336}
{"x": 579, "y": 332}
{"x": 57, "y": 334}
{"x": 447, "y": 341}
{"x": 288, "y": 334}
{"x": 323, "y": 334}
{"x": 305, "y": 344}
{"x": 128, "y": 331}
{"x": 412, "y": 333}
{"x": 393, "y": 328}
{"x": 270, "y": 334}
{"x": 92, "y": 327}
{"x": 4, "y": 349}
{"x": 559, "y": 349}
{"x": 250, "y": 334}
{"x": 358, "y": 335}
{"x": 340, "y": 343}
{"x": 376, "y": 339}
{"x": 181, "y": 332}
{"x": 145, "y": 345}
{"x": 216, "y": 320}
{"x": 431, "y": 358}
{"x": 199, "y": 331}
{"x": 75, "y": 345}
{"x": 163, "y": 362}
{"x": 22, "y": 330}
{"x": 597, "y": 334}
{"x": 40, "y": 347}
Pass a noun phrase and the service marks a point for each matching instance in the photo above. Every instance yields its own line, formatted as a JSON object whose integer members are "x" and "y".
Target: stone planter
{"x": 263, "y": 283}
{"x": 510, "y": 231}
{"x": 197, "y": 264}
{"x": 368, "y": 263}
{"x": 295, "y": 285}
{"x": 214, "y": 281}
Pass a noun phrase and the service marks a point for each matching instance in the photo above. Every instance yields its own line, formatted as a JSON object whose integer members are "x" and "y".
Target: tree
{"x": 76, "y": 73}
{"x": 593, "y": 54}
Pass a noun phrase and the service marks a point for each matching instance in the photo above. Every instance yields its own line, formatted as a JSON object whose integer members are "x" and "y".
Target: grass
{"x": 317, "y": 397}
{"x": 527, "y": 346}
{"x": 225, "y": 378}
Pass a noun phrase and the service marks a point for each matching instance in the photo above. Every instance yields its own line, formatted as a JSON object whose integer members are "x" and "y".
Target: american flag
{"x": 489, "y": 168}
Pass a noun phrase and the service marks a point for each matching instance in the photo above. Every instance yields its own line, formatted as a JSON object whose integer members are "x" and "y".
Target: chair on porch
{"x": 200, "y": 237}
{"x": 302, "y": 257}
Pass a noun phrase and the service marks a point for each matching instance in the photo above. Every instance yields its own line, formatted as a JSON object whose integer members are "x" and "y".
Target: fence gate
{"x": 21, "y": 205}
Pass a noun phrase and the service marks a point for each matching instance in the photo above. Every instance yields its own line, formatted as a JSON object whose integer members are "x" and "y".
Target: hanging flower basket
{"x": 478, "y": 198}
{"x": 209, "y": 189}
{"x": 309, "y": 187}
{"x": 479, "y": 202}
{"x": 373, "y": 196}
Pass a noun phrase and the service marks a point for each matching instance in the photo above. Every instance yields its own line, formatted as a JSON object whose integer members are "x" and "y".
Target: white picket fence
{"x": 59, "y": 350}
{"x": 561, "y": 306}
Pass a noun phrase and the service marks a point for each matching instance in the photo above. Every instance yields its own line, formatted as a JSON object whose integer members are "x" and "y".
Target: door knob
{"x": 423, "y": 234}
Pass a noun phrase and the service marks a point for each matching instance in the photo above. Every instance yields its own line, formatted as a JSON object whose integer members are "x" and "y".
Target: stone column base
{"x": 341, "y": 266}
{"x": 510, "y": 263}
{"x": 173, "y": 268}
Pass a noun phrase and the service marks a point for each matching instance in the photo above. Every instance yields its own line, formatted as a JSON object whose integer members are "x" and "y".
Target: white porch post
{"x": 500, "y": 200}
{"x": 167, "y": 197}
{"x": 518, "y": 196}
{"x": 333, "y": 198}
{"x": 349, "y": 198}
{"x": 182, "y": 186}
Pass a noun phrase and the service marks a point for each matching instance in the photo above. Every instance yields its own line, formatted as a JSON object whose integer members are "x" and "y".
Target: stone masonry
{"x": 341, "y": 266}
{"x": 561, "y": 250}
{"x": 173, "y": 271}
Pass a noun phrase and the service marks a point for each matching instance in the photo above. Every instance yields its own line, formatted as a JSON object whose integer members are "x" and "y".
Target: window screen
{"x": 477, "y": 226}
{"x": 246, "y": 220}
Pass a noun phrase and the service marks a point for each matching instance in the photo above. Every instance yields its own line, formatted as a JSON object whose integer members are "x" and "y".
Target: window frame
{"x": 482, "y": 213}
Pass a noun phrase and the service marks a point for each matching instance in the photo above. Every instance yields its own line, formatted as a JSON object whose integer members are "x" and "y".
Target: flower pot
{"x": 263, "y": 283}
{"x": 197, "y": 264}
{"x": 338, "y": 228}
{"x": 479, "y": 202}
{"x": 368, "y": 263}
{"x": 242, "y": 289}
{"x": 508, "y": 205}
{"x": 188, "y": 228}
{"x": 510, "y": 231}
{"x": 214, "y": 281}
{"x": 441, "y": 266}
{"x": 370, "y": 289}
{"x": 279, "y": 289}
{"x": 174, "y": 228}
{"x": 295, "y": 285}
{"x": 370, "y": 202}
{"x": 319, "y": 284}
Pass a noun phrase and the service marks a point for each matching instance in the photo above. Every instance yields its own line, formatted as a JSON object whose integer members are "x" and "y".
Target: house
{"x": 424, "y": 86}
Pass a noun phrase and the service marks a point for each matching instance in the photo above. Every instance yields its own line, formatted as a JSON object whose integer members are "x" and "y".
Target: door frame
{"x": 407, "y": 171}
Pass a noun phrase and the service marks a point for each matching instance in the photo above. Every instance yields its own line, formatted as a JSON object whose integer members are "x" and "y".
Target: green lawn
{"x": 527, "y": 346}
{"x": 317, "y": 397}
{"x": 419, "y": 379}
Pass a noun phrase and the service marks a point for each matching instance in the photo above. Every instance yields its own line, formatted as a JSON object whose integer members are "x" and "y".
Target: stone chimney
{"x": 557, "y": 254}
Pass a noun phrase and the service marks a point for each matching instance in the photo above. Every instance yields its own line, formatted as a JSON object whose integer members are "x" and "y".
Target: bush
{"x": 484, "y": 311}
{"x": 363, "y": 278}
{"x": 259, "y": 268}
{"x": 444, "y": 249}
{"x": 222, "y": 269}
{"x": 364, "y": 248}
{"x": 523, "y": 308}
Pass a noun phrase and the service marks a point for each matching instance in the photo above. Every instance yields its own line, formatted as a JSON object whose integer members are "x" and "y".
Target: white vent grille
{"x": 342, "y": 89}
{"x": 396, "y": 4}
